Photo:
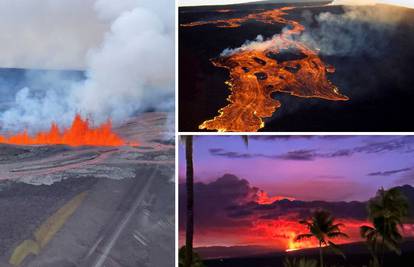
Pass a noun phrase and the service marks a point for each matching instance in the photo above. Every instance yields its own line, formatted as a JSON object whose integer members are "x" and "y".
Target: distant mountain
{"x": 357, "y": 254}
{"x": 215, "y": 252}
{"x": 354, "y": 209}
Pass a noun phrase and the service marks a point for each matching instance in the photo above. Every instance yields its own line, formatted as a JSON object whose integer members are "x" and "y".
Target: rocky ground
{"x": 91, "y": 206}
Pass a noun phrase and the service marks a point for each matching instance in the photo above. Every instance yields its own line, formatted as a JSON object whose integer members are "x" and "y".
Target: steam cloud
{"x": 349, "y": 33}
{"x": 355, "y": 32}
{"x": 126, "y": 48}
{"x": 406, "y": 3}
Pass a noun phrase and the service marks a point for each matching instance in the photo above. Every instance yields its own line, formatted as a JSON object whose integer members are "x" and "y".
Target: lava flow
{"x": 79, "y": 134}
{"x": 277, "y": 65}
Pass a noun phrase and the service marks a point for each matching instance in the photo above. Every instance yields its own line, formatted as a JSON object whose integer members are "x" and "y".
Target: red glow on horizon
{"x": 80, "y": 133}
{"x": 286, "y": 230}
{"x": 263, "y": 198}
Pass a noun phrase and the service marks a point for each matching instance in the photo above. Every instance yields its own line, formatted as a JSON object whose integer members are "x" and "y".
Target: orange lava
{"x": 79, "y": 134}
{"x": 223, "y": 10}
{"x": 284, "y": 231}
{"x": 263, "y": 198}
{"x": 278, "y": 65}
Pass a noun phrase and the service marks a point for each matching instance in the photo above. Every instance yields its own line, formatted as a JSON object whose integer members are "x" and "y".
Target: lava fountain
{"x": 80, "y": 133}
{"x": 281, "y": 64}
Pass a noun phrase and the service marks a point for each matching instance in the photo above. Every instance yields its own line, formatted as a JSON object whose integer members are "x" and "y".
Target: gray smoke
{"x": 127, "y": 48}
{"x": 355, "y": 32}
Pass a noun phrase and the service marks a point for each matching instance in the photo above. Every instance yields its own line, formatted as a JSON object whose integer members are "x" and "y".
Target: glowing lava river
{"x": 257, "y": 70}
{"x": 79, "y": 134}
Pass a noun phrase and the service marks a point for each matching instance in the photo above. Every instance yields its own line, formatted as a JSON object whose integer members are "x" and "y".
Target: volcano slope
{"x": 90, "y": 206}
{"x": 357, "y": 54}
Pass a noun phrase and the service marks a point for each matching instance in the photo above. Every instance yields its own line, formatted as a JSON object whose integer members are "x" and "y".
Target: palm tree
{"x": 386, "y": 212}
{"x": 302, "y": 262}
{"x": 197, "y": 261}
{"x": 372, "y": 236}
{"x": 190, "y": 201}
{"x": 190, "y": 197}
{"x": 323, "y": 227}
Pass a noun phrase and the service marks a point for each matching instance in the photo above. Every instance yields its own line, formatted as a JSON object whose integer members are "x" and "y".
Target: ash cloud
{"x": 129, "y": 64}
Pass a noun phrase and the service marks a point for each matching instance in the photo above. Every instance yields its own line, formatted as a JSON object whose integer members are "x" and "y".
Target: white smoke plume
{"x": 126, "y": 48}
{"x": 354, "y": 32}
{"x": 259, "y": 44}
{"x": 404, "y": 3}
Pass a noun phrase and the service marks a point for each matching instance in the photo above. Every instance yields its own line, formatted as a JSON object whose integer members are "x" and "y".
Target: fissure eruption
{"x": 80, "y": 133}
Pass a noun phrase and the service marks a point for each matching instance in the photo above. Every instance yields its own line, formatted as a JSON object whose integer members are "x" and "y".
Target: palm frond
{"x": 303, "y": 236}
{"x": 337, "y": 234}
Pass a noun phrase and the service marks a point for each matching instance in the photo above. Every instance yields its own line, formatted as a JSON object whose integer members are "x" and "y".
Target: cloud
{"x": 301, "y": 154}
{"x": 358, "y": 31}
{"x": 388, "y": 173}
{"x": 227, "y": 212}
{"x": 229, "y": 201}
{"x": 129, "y": 64}
{"x": 402, "y": 144}
{"x": 47, "y": 34}
{"x": 211, "y": 200}
{"x": 406, "y": 3}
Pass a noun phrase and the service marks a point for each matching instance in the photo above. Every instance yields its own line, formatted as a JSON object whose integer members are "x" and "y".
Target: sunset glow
{"x": 256, "y": 195}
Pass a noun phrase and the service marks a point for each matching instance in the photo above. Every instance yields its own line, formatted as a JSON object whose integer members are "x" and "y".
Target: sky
{"x": 352, "y": 167}
{"x": 240, "y": 191}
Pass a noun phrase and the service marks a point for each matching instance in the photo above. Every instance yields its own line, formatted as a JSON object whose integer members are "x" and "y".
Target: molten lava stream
{"x": 79, "y": 134}
{"x": 277, "y": 65}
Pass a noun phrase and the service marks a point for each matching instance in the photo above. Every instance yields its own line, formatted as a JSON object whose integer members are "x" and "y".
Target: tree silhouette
{"x": 188, "y": 139}
{"x": 322, "y": 226}
{"x": 196, "y": 259}
{"x": 386, "y": 212}
{"x": 190, "y": 200}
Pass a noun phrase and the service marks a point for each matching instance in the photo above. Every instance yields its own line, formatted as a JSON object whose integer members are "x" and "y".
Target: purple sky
{"x": 307, "y": 168}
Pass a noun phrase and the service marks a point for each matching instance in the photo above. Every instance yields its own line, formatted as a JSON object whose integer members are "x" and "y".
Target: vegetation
{"x": 302, "y": 262}
{"x": 196, "y": 259}
{"x": 190, "y": 201}
{"x": 386, "y": 212}
{"x": 189, "y": 261}
{"x": 322, "y": 226}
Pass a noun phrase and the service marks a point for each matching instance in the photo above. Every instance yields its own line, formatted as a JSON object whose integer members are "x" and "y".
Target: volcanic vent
{"x": 261, "y": 68}
{"x": 80, "y": 133}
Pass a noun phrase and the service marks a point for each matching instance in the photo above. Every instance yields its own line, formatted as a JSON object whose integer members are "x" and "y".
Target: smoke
{"x": 130, "y": 69}
{"x": 259, "y": 44}
{"x": 404, "y": 3}
{"x": 354, "y": 2}
{"x": 358, "y": 31}
{"x": 355, "y": 32}
{"x": 46, "y": 34}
